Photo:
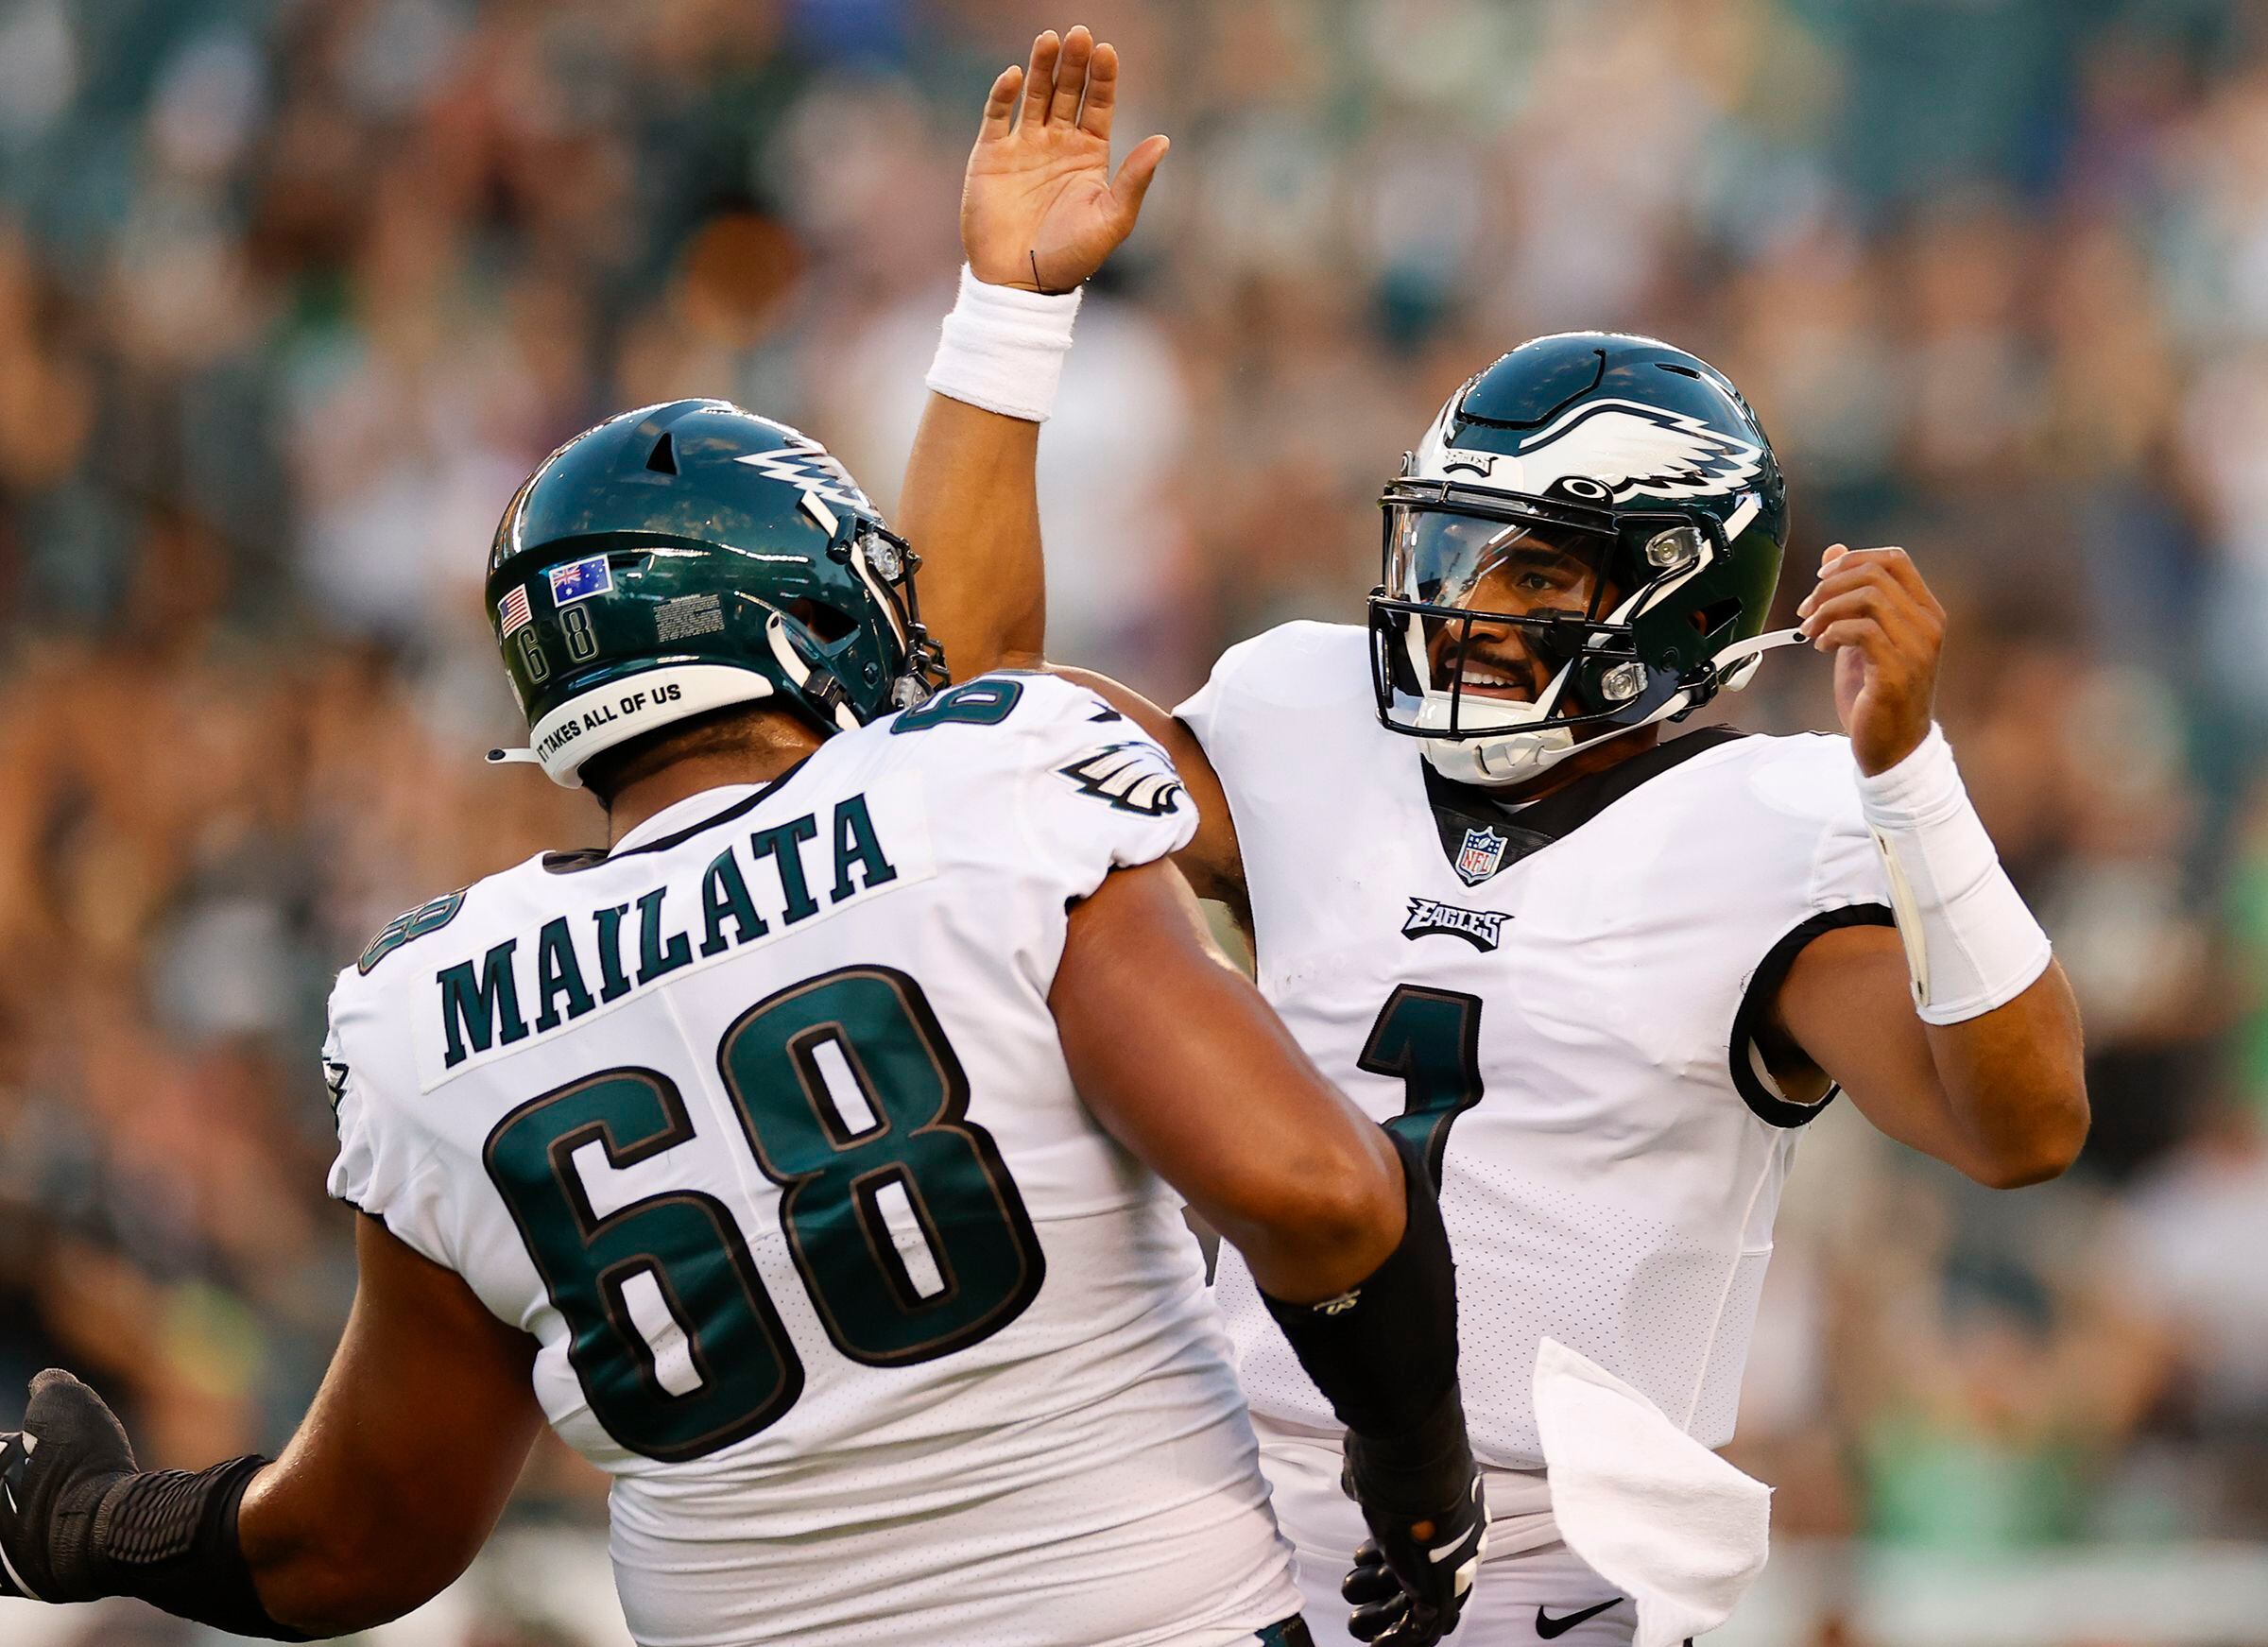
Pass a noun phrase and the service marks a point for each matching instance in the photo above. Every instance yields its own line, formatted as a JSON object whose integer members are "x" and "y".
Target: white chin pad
{"x": 1497, "y": 747}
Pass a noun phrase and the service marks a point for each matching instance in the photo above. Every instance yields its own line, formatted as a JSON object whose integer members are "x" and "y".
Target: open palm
{"x": 1040, "y": 209}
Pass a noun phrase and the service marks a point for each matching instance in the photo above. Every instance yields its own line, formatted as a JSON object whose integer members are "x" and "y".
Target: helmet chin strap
{"x": 801, "y": 674}
{"x": 1498, "y": 760}
{"x": 1736, "y": 664}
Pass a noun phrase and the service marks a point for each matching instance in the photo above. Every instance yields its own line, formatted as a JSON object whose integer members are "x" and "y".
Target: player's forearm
{"x": 1383, "y": 1346}
{"x": 1384, "y": 1353}
{"x": 402, "y": 1464}
{"x": 1327, "y": 1228}
{"x": 1997, "y": 1014}
{"x": 971, "y": 504}
{"x": 2015, "y": 1082}
{"x": 971, "y": 508}
{"x": 331, "y": 1561}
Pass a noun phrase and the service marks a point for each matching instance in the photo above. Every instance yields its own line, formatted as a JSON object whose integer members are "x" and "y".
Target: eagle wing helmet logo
{"x": 1615, "y": 449}
{"x": 1634, "y": 451}
{"x": 803, "y": 462}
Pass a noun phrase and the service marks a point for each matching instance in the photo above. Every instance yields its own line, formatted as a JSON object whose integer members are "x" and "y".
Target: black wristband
{"x": 1385, "y": 1351}
{"x": 1415, "y": 1472}
{"x": 169, "y": 1537}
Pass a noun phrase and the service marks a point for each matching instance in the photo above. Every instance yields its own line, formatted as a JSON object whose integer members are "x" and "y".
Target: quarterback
{"x": 1602, "y": 978}
{"x": 803, "y": 1156}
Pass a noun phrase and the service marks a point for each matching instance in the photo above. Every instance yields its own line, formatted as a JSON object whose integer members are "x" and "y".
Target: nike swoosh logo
{"x": 1551, "y": 1629}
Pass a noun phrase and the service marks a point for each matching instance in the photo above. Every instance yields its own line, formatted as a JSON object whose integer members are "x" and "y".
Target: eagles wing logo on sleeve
{"x": 1628, "y": 449}
{"x": 1135, "y": 777}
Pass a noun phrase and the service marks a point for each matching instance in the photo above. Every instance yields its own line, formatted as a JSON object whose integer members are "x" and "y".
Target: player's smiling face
{"x": 1522, "y": 572}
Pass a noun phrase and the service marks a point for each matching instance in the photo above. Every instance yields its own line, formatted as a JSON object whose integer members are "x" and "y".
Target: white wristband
{"x": 1972, "y": 945}
{"x": 1002, "y": 350}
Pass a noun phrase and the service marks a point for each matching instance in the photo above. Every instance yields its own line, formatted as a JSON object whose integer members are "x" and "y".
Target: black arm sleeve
{"x": 169, "y": 1538}
{"x": 1385, "y": 1355}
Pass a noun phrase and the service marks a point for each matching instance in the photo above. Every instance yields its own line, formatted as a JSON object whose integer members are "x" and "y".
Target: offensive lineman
{"x": 746, "y": 1152}
{"x": 1604, "y": 980}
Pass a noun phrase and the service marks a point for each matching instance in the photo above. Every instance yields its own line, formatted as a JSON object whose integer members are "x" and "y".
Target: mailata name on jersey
{"x": 480, "y": 1002}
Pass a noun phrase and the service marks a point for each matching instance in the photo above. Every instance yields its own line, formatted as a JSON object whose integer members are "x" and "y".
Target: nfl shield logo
{"x": 1481, "y": 856}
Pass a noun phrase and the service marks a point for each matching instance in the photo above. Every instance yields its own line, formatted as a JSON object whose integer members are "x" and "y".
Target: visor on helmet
{"x": 1479, "y": 586}
{"x": 1519, "y": 567}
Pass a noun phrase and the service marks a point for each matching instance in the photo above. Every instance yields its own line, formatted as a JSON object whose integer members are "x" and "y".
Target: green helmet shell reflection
{"x": 1644, "y": 452}
{"x": 685, "y": 557}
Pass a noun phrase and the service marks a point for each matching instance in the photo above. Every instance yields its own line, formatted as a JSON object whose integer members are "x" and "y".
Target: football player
{"x": 1604, "y": 980}
{"x": 746, "y": 1152}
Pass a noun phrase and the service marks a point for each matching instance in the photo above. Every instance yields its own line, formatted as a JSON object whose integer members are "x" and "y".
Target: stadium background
{"x": 293, "y": 293}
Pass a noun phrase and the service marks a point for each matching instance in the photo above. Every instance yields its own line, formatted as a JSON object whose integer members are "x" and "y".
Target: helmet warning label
{"x": 688, "y": 615}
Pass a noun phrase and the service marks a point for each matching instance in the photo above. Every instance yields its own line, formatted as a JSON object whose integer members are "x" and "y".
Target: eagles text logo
{"x": 1481, "y": 928}
{"x": 1132, "y": 777}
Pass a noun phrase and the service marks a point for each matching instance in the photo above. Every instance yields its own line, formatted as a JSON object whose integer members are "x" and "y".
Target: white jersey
{"x": 759, "y": 1126}
{"x": 1559, "y": 999}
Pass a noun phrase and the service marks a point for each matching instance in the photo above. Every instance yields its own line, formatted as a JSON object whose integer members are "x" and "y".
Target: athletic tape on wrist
{"x": 1971, "y": 943}
{"x": 1002, "y": 350}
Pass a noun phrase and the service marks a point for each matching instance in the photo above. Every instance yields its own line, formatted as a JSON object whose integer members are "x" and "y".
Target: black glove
{"x": 54, "y": 1475}
{"x": 78, "y": 1521}
{"x": 1408, "y": 1586}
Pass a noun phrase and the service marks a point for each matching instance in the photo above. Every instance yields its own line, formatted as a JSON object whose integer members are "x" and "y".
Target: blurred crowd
{"x": 294, "y": 292}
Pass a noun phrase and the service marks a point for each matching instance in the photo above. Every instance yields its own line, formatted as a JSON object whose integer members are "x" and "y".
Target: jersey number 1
{"x": 905, "y": 1229}
{"x": 1429, "y": 1040}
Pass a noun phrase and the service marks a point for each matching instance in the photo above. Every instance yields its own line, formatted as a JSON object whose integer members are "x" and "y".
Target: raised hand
{"x": 1873, "y": 611}
{"x": 1040, "y": 209}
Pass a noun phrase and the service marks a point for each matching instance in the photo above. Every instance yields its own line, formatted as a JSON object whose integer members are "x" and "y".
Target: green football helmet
{"x": 1621, "y": 496}
{"x": 681, "y": 557}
